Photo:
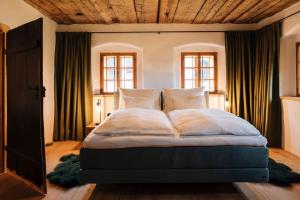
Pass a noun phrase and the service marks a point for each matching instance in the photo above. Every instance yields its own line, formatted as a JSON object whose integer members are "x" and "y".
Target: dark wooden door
{"x": 25, "y": 126}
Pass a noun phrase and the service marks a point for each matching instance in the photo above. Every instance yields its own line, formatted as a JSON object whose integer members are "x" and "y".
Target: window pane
{"x": 110, "y": 86}
{"x": 127, "y": 84}
{"x": 212, "y": 73}
{"x": 110, "y": 61}
{"x": 205, "y": 73}
{"x": 128, "y": 61}
{"x": 189, "y": 84}
{"x": 188, "y": 74}
{"x": 188, "y": 61}
{"x": 127, "y": 73}
{"x": 109, "y": 74}
{"x": 207, "y": 61}
{"x": 212, "y": 85}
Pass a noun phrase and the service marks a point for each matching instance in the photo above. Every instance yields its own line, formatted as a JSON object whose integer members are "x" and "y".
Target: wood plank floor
{"x": 267, "y": 191}
{"x": 12, "y": 188}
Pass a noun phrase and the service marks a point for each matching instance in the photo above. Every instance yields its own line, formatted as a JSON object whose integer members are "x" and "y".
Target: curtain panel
{"x": 252, "y": 76}
{"x": 73, "y": 88}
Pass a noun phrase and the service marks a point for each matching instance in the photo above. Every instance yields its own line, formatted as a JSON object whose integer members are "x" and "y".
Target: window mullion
{"x": 199, "y": 69}
{"x": 118, "y": 71}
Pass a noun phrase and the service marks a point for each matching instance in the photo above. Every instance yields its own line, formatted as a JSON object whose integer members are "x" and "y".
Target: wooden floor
{"x": 12, "y": 188}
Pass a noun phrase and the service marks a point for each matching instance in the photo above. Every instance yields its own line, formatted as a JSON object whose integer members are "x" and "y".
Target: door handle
{"x": 37, "y": 91}
{"x": 43, "y": 91}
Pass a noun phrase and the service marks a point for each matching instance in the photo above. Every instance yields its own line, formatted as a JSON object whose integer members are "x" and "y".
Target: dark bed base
{"x": 174, "y": 165}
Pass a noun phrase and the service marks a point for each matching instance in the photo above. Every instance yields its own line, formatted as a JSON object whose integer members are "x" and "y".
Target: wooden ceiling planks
{"x": 71, "y": 10}
{"x": 167, "y": 10}
{"x": 146, "y": 10}
{"x": 105, "y": 11}
{"x": 207, "y": 7}
{"x": 239, "y": 10}
{"x": 257, "y": 9}
{"x": 159, "y": 11}
{"x": 279, "y": 6}
{"x": 225, "y": 10}
{"x": 88, "y": 9}
{"x": 124, "y": 10}
{"x": 50, "y": 10}
{"x": 187, "y": 10}
{"x": 213, "y": 11}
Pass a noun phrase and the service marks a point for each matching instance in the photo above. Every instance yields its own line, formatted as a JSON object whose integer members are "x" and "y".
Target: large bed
{"x": 190, "y": 154}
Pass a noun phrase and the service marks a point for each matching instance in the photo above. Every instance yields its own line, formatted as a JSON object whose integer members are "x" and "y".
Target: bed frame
{"x": 174, "y": 164}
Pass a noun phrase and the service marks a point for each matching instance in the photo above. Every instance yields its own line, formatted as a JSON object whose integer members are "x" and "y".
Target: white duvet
{"x": 136, "y": 122}
{"x": 198, "y": 122}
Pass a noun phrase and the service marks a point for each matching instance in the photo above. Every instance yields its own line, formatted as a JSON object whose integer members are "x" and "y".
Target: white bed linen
{"x": 136, "y": 121}
{"x": 95, "y": 141}
{"x": 199, "y": 122}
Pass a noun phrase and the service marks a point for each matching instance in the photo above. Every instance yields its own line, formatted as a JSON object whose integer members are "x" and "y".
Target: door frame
{"x": 2, "y": 105}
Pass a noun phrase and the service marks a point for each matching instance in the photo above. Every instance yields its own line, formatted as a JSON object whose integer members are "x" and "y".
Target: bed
{"x": 183, "y": 156}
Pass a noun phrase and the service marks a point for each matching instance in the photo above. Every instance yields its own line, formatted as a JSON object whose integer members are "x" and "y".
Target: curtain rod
{"x": 104, "y": 32}
{"x": 111, "y": 32}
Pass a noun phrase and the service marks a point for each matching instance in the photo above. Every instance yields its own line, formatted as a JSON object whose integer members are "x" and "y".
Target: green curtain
{"x": 252, "y": 75}
{"x": 73, "y": 88}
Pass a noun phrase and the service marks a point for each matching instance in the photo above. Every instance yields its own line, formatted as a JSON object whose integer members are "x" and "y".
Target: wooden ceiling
{"x": 159, "y": 11}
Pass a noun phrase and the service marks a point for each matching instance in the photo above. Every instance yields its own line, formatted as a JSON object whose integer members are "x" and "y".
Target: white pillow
{"x": 153, "y": 94}
{"x": 170, "y": 94}
{"x": 138, "y": 102}
{"x": 189, "y": 102}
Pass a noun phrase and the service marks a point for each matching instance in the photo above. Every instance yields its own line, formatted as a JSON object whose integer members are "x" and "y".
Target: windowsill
{"x": 218, "y": 92}
{"x": 103, "y": 95}
{"x": 290, "y": 98}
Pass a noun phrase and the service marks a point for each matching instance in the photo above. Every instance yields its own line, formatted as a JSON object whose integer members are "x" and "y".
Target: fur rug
{"x": 66, "y": 173}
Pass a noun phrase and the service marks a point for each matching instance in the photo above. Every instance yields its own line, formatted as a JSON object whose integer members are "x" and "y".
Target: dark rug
{"x": 66, "y": 173}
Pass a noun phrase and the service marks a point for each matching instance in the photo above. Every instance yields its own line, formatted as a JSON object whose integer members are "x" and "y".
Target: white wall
{"x": 156, "y": 54}
{"x": 291, "y": 106}
{"x": 291, "y": 117}
{"x": 14, "y": 13}
{"x": 290, "y": 36}
{"x": 158, "y": 57}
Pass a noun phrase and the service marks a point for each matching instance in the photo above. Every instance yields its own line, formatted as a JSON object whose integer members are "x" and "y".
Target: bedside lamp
{"x": 98, "y": 110}
{"x": 227, "y": 104}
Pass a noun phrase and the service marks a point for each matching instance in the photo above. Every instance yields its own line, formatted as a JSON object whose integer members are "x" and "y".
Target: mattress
{"x": 94, "y": 141}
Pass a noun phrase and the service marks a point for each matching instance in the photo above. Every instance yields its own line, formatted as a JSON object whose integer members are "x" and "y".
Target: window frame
{"x": 199, "y": 54}
{"x": 118, "y": 68}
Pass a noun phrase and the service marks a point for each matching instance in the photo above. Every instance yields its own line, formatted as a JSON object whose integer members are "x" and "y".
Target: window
{"x": 298, "y": 69}
{"x": 199, "y": 69}
{"x": 118, "y": 70}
